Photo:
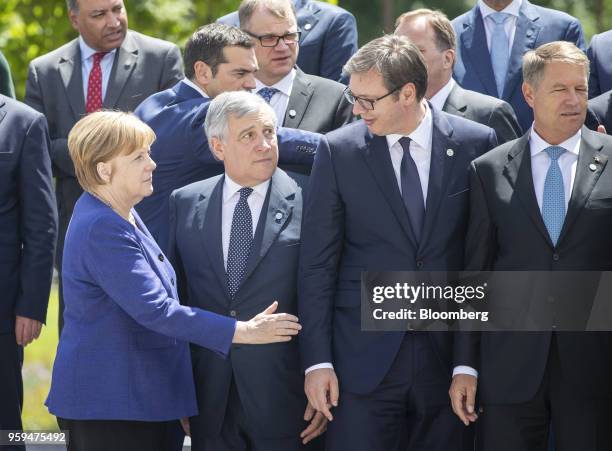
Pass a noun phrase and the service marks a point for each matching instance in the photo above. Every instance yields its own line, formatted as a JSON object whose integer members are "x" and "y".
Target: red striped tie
{"x": 94, "y": 86}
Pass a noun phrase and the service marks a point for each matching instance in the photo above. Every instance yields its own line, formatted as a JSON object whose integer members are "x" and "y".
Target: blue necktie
{"x": 500, "y": 52}
{"x": 267, "y": 93}
{"x": 553, "y": 203}
{"x": 241, "y": 241}
{"x": 412, "y": 193}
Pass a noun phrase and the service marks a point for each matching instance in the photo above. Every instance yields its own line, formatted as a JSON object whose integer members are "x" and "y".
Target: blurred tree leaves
{"x": 29, "y": 28}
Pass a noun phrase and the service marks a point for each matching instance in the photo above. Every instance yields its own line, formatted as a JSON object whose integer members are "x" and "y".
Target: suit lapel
{"x": 376, "y": 153}
{"x": 454, "y": 102}
{"x": 441, "y": 165}
{"x": 527, "y": 30}
{"x": 276, "y": 211}
{"x": 69, "y": 67}
{"x": 301, "y": 92}
{"x": 475, "y": 47}
{"x": 208, "y": 218}
{"x": 585, "y": 178}
{"x": 123, "y": 66}
{"x": 2, "y": 110}
{"x": 518, "y": 173}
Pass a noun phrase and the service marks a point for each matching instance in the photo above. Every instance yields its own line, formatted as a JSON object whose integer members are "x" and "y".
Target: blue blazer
{"x": 600, "y": 55}
{"x": 268, "y": 377}
{"x": 329, "y": 37}
{"x": 535, "y": 26}
{"x": 123, "y": 352}
{"x": 182, "y": 154}
{"x": 28, "y": 214}
{"x": 355, "y": 220}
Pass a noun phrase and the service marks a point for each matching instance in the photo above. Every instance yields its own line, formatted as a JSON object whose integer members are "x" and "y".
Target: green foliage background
{"x": 29, "y": 28}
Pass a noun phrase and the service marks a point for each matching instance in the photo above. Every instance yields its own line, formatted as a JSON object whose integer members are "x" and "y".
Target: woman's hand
{"x": 267, "y": 327}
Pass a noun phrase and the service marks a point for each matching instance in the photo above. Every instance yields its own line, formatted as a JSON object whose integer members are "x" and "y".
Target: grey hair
{"x": 235, "y": 104}
{"x": 72, "y": 5}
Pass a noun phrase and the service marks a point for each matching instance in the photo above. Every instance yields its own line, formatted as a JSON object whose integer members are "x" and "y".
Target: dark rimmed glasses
{"x": 366, "y": 104}
{"x": 271, "y": 40}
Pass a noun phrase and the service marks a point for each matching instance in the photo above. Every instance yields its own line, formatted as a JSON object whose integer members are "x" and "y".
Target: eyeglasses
{"x": 366, "y": 104}
{"x": 271, "y": 40}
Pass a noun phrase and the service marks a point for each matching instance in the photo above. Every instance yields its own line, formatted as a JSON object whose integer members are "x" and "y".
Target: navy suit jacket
{"x": 328, "y": 40}
{"x": 123, "y": 352}
{"x": 355, "y": 220}
{"x": 28, "y": 215}
{"x": 600, "y": 55}
{"x": 265, "y": 375}
{"x": 535, "y": 26}
{"x": 182, "y": 154}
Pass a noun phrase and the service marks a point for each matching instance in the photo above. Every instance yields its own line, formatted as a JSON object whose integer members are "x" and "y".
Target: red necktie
{"x": 94, "y": 86}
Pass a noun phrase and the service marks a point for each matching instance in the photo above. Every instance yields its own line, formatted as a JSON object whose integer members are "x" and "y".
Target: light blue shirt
{"x": 87, "y": 59}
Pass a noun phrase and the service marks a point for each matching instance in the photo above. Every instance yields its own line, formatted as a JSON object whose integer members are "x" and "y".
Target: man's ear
{"x": 74, "y": 19}
{"x": 407, "y": 94}
{"x": 217, "y": 148}
{"x": 203, "y": 73}
{"x": 528, "y": 93}
{"x": 449, "y": 58}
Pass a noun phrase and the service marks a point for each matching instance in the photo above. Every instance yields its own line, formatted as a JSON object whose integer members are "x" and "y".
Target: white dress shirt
{"x": 191, "y": 84}
{"x": 510, "y": 24}
{"x": 439, "y": 98}
{"x": 540, "y": 162}
{"x": 87, "y": 59}
{"x": 420, "y": 151}
{"x": 279, "y": 100}
{"x": 230, "y": 200}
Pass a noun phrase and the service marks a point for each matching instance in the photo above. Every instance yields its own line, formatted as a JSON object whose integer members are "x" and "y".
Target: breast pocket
{"x": 597, "y": 204}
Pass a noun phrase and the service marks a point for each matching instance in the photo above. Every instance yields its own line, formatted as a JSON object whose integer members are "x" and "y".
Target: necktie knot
{"x": 98, "y": 57}
{"x": 267, "y": 93}
{"x": 405, "y": 143}
{"x": 499, "y": 18}
{"x": 554, "y": 152}
{"x": 245, "y": 193}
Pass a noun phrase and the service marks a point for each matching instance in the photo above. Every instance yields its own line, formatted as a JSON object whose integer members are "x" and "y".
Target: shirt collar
{"x": 284, "y": 85}
{"x": 230, "y": 188}
{"x": 193, "y": 85}
{"x": 421, "y": 135}
{"x": 87, "y": 51}
{"x": 513, "y": 8}
{"x": 537, "y": 143}
{"x": 439, "y": 99}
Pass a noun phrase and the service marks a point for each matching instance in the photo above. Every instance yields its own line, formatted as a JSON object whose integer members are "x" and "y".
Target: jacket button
{"x": 419, "y": 264}
{"x": 172, "y": 282}
{"x": 556, "y": 257}
{"x": 233, "y": 313}
{"x": 161, "y": 257}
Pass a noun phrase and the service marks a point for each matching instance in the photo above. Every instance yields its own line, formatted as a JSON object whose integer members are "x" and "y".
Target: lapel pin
{"x": 307, "y": 26}
{"x": 292, "y": 113}
{"x": 592, "y": 167}
{"x": 278, "y": 216}
{"x": 450, "y": 152}
{"x": 597, "y": 160}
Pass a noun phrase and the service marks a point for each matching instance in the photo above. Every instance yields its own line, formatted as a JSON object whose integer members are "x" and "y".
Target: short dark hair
{"x": 72, "y": 5}
{"x": 207, "y": 45}
{"x": 397, "y": 59}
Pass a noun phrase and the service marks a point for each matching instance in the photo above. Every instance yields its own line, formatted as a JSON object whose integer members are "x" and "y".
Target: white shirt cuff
{"x": 464, "y": 369}
{"x": 319, "y": 366}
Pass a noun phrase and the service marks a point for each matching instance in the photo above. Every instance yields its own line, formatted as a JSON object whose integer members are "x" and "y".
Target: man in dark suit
{"x": 539, "y": 204}
{"x": 493, "y": 37}
{"x": 328, "y": 38}
{"x": 600, "y": 55}
{"x": 28, "y": 227}
{"x": 6, "y": 81}
{"x": 218, "y": 58}
{"x": 599, "y": 113}
{"x": 235, "y": 240}
{"x": 299, "y": 100}
{"x": 433, "y": 34}
{"x": 389, "y": 192}
{"x": 107, "y": 66}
